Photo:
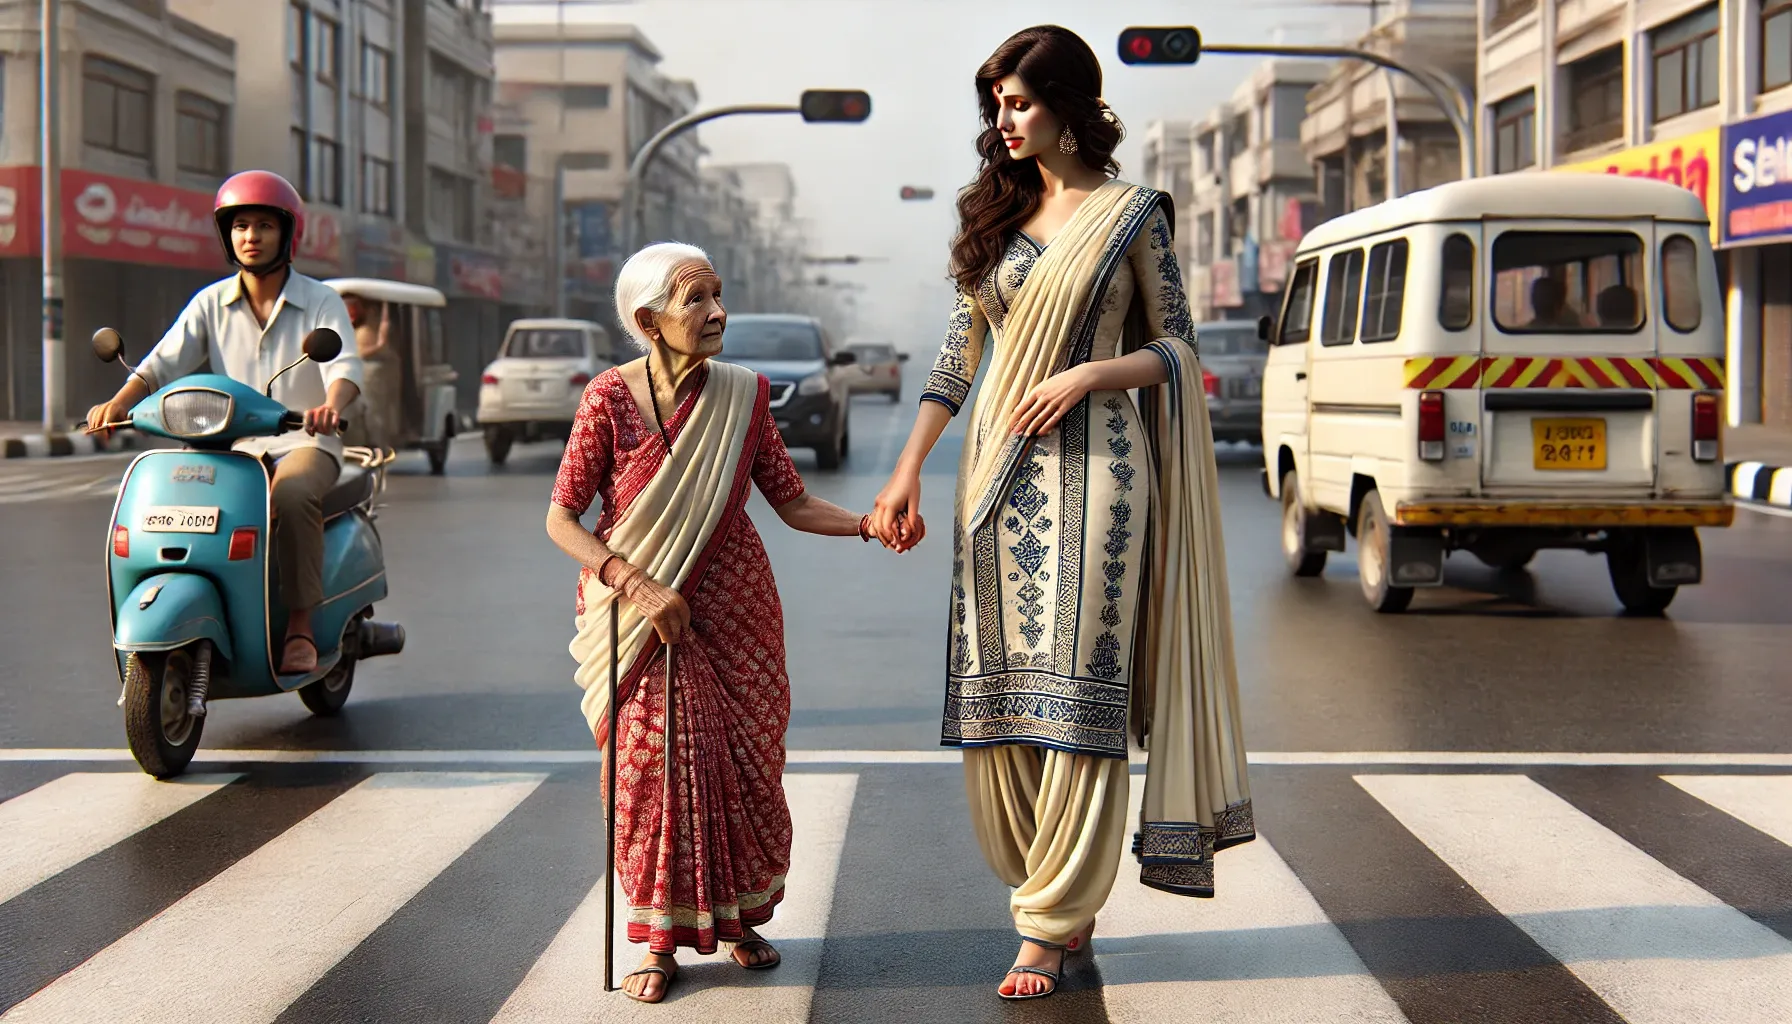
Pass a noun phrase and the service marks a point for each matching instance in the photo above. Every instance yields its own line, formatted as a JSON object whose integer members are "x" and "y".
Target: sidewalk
{"x": 1758, "y": 463}
{"x": 26, "y": 439}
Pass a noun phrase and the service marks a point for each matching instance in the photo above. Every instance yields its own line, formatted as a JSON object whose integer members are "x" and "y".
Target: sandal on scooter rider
{"x": 1053, "y": 976}
{"x": 288, "y": 666}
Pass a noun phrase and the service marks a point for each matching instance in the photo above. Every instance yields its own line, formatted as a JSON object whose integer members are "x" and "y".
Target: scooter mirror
{"x": 107, "y": 345}
{"x": 323, "y": 345}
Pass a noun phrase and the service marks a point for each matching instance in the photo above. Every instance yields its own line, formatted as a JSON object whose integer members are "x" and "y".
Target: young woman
{"x": 1088, "y": 584}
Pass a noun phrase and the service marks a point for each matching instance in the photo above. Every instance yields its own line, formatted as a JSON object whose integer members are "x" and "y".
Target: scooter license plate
{"x": 179, "y": 519}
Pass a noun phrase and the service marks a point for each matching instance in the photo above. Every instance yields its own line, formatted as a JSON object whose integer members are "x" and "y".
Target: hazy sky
{"x": 916, "y": 58}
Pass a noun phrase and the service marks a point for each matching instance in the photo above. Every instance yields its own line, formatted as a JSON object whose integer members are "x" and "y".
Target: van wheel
{"x": 1302, "y": 561}
{"x": 1629, "y": 568}
{"x": 1373, "y": 541}
{"x": 497, "y": 443}
{"x": 162, "y": 736}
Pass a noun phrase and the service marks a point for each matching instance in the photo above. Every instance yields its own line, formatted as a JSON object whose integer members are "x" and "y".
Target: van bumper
{"x": 1557, "y": 513}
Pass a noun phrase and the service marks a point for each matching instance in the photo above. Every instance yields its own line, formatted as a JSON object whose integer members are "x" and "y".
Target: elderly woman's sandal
{"x": 666, "y": 979}
{"x": 744, "y": 951}
{"x": 1042, "y": 972}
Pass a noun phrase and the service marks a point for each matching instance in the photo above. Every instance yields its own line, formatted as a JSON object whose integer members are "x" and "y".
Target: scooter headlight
{"x": 196, "y": 412}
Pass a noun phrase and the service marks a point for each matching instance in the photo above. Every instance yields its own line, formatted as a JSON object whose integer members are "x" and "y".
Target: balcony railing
{"x": 1592, "y": 135}
{"x": 1505, "y": 12}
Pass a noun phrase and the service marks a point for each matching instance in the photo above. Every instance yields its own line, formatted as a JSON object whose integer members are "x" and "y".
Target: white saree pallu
{"x": 667, "y": 531}
{"x": 1089, "y": 595}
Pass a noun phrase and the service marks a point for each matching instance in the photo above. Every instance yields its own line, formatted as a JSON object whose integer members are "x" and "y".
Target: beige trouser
{"x": 1051, "y": 825}
{"x": 301, "y": 479}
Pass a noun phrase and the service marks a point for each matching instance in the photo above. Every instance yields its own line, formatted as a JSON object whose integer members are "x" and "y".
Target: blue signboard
{"x": 1247, "y": 266}
{"x": 1757, "y": 174}
{"x": 595, "y": 238}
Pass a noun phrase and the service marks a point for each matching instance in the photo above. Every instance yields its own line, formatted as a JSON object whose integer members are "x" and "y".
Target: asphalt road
{"x": 1508, "y": 804}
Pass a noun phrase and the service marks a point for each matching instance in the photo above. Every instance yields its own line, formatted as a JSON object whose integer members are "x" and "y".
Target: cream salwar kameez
{"x": 1088, "y": 594}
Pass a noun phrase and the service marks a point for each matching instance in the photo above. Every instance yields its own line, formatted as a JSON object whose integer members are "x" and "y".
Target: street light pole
{"x": 634, "y": 211}
{"x": 50, "y": 219}
{"x": 559, "y": 241}
{"x": 1447, "y": 94}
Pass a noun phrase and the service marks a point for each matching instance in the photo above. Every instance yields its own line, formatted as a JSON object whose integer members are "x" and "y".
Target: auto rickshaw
{"x": 419, "y": 405}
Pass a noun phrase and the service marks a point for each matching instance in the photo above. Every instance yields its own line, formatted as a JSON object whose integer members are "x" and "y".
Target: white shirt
{"x": 220, "y": 325}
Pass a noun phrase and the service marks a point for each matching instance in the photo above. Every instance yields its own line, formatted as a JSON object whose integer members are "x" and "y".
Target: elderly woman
{"x": 672, "y": 441}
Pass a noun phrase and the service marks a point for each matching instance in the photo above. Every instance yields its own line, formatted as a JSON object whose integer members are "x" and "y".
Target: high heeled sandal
{"x": 1042, "y": 972}
{"x": 1076, "y": 946}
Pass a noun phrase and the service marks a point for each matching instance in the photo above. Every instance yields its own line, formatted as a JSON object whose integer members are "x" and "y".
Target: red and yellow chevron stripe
{"x": 1659, "y": 373}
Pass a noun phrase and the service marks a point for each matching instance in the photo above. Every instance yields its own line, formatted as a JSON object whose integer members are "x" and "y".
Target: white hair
{"x": 645, "y": 282}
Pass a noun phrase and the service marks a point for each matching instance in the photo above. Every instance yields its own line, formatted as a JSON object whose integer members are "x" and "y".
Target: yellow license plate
{"x": 1568, "y": 444}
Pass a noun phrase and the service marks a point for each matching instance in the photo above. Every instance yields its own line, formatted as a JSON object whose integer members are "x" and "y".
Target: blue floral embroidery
{"x": 961, "y": 643}
{"x": 1030, "y": 553}
{"x": 1104, "y": 663}
{"x": 949, "y": 382}
{"x": 1174, "y": 300}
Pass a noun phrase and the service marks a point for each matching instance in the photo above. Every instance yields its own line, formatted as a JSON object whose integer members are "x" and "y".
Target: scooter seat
{"x": 354, "y": 485}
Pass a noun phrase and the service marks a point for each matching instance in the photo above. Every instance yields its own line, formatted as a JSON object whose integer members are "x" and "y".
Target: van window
{"x": 1385, "y": 291}
{"x": 546, "y": 343}
{"x": 1568, "y": 282}
{"x": 1680, "y": 283}
{"x": 1456, "y": 299}
{"x": 1297, "y": 318}
{"x": 1343, "y": 288}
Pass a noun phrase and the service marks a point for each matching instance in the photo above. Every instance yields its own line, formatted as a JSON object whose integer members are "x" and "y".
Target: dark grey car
{"x": 1232, "y": 358}
{"x": 811, "y": 381}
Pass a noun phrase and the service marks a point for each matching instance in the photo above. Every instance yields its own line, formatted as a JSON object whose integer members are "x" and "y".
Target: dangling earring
{"x": 1066, "y": 140}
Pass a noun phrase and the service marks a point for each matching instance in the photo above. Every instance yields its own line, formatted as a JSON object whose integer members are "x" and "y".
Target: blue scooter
{"x": 193, "y": 594}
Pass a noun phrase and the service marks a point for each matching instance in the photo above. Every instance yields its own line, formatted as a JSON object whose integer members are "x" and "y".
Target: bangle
{"x": 604, "y": 566}
{"x": 864, "y": 524}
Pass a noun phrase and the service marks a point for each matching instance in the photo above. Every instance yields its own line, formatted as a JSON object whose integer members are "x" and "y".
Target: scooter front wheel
{"x": 162, "y": 735}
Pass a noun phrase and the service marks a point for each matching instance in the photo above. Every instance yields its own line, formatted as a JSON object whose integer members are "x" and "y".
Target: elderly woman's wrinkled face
{"x": 692, "y": 322}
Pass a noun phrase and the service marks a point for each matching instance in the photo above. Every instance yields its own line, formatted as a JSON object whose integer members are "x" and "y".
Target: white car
{"x": 532, "y": 390}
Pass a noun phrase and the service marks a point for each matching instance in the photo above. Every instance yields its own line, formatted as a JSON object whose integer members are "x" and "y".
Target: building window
{"x": 585, "y": 161}
{"x": 326, "y": 171}
{"x": 295, "y": 36}
{"x": 1505, "y": 12}
{"x": 1343, "y": 288}
{"x": 587, "y": 97}
{"x": 1515, "y": 132}
{"x": 1686, "y": 64}
{"x": 199, "y": 133}
{"x": 450, "y": 206}
{"x": 510, "y": 151}
{"x": 300, "y": 155}
{"x": 376, "y": 76}
{"x": 1776, "y": 44}
{"x": 1596, "y": 99}
{"x": 376, "y": 186}
{"x": 1204, "y": 239}
{"x": 116, "y": 107}
{"x": 329, "y": 56}
{"x": 1386, "y": 291}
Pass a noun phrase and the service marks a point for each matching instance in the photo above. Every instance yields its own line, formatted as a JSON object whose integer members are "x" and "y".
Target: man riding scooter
{"x": 251, "y": 325}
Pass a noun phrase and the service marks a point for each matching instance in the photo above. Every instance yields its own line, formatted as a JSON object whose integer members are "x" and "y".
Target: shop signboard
{"x": 469, "y": 273}
{"x": 107, "y": 218}
{"x": 1226, "y": 294}
{"x": 1690, "y": 161}
{"x": 18, "y": 208}
{"x": 1757, "y": 185}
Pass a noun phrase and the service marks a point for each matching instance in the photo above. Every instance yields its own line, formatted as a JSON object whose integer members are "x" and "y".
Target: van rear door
{"x": 1568, "y": 403}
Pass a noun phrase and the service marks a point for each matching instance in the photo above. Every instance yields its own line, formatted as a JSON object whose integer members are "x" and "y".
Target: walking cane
{"x": 610, "y": 803}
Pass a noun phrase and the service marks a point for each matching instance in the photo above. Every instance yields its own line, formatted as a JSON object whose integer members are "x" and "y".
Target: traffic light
{"x": 911, "y": 192}
{"x": 1179, "y": 45}
{"x": 849, "y": 105}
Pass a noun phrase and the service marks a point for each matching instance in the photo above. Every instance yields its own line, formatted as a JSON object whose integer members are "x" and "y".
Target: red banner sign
{"x": 107, "y": 218}
{"x": 18, "y": 209}
{"x": 476, "y": 275}
{"x": 322, "y": 240}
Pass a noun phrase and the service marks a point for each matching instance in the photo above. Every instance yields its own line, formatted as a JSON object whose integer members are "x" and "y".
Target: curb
{"x": 37, "y": 446}
{"x": 1760, "y": 482}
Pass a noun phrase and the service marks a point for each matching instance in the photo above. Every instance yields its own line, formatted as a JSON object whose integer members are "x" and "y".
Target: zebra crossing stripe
{"x": 240, "y": 948}
{"x": 1656, "y": 948}
{"x": 565, "y": 985}
{"x": 1261, "y": 951}
{"x": 63, "y": 822}
{"x": 1762, "y": 801}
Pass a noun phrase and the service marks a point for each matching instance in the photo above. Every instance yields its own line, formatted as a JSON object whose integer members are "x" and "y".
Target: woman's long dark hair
{"x": 1064, "y": 75}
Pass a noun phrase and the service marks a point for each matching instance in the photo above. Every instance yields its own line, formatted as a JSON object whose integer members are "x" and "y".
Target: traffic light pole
{"x": 633, "y": 226}
{"x": 1447, "y": 94}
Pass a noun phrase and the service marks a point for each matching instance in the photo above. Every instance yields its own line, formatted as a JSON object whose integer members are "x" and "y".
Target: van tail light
{"x": 1210, "y": 383}
{"x": 242, "y": 543}
{"x": 121, "y": 541}
{"x": 489, "y": 378}
{"x": 1704, "y": 426}
{"x": 1431, "y": 426}
{"x": 579, "y": 380}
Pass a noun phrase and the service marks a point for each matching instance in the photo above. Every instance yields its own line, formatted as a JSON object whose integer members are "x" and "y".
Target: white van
{"x": 1501, "y": 365}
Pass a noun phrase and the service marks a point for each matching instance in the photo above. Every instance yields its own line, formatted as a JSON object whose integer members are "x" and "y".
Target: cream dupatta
{"x": 671, "y": 527}
{"x": 1185, "y": 707}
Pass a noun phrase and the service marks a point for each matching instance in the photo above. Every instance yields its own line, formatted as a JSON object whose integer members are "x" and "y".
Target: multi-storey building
{"x": 1690, "y": 91}
{"x": 1251, "y": 193}
{"x": 1347, "y": 129}
{"x": 1168, "y": 167}
{"x": 145, "y": 113}
{"x": 586, "y": 98}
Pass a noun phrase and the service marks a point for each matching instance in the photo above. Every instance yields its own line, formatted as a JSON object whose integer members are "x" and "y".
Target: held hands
{"x": 664, "y": 607}
{"x": 1048, "y": 403}
{"x": 896, "y": 519}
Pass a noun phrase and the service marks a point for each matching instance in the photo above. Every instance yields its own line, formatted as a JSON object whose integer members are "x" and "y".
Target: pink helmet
{"x": 265, "y": 190}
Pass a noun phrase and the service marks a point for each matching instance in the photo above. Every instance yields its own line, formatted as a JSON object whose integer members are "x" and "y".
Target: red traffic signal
{"x": 910, "y": 192}
{"x": 840, "y": 105}
{"x": 1178, "y": 45}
